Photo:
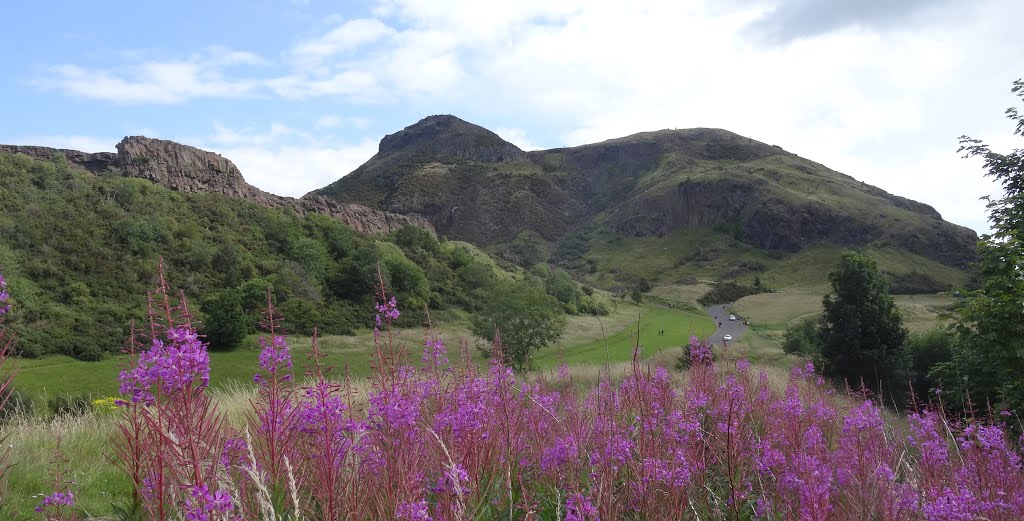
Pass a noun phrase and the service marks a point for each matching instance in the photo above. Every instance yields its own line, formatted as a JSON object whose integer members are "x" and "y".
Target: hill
{"x": 80, "y": 243}
{"x": 726, "y": 206}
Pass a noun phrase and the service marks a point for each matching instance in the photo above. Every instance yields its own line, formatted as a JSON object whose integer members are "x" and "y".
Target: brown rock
{"x": 188, "y": 169}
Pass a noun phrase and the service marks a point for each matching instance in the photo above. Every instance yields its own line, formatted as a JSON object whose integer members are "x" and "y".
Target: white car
{"x": 727, "y": 338}
{"x": 732, "y": 317}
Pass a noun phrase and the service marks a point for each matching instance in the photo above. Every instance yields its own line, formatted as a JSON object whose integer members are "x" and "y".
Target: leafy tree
{"x": 802, "y": 339}
{"x": 226, "y": 322}
{"x": 525, "y": 316}
{"x": 861, "y": 331}
{"x": 988, "y": 353}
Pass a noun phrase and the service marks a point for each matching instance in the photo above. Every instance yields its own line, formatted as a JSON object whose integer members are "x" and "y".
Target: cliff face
{"x": 185, "y": 169}
{"x": 94, "y": 163}
{"x": 188, "y": 169}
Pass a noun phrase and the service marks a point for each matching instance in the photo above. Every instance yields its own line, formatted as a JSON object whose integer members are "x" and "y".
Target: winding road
{"x": 720, "y": 313}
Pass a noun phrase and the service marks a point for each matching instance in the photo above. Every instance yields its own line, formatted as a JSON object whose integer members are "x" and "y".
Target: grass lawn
{"x": 618, "y": 347}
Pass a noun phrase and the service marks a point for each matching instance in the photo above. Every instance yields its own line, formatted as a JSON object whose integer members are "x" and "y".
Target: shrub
{"x": 928, "y": 350}
{"x": 725, "y": 292}
{"x": 802, "y": 339}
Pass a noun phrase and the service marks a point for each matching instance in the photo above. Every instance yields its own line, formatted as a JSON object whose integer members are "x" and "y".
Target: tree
{"x": 861, "y": 332}
{"x": 525, "y": 316}
{"x": 226, "y": 323}
{"x": 988, "y": 336}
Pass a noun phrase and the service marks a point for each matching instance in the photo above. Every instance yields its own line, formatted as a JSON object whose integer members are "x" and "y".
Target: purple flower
{"x": 4, "y": 307}
{"x": 170, "y": 366}
{"x": 434, "y": 353}
{"x": 201, "y": 505}
{"x": 579, "y": 508}
{"x": 57, "y": 499}
{"x": 413, "y": 511}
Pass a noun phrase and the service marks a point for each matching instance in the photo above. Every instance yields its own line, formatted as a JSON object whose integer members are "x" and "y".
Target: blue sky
{"x": 299, "y": 93}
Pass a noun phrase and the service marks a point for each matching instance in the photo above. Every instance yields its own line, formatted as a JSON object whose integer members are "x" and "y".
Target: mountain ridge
{"x": 642, "y": 185}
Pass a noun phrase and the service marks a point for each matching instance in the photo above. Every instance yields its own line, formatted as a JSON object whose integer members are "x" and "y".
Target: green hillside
{"x": 80, "y": 250}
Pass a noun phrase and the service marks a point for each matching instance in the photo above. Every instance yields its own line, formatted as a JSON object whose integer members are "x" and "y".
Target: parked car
{"x": 727, "y": 338}
{"x": 732, "y": 317}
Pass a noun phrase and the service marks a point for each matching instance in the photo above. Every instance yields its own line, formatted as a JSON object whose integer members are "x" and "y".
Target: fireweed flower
{"x": 579, "y": 508}
{"x": 57, "y": 499}
{"x": 275, "y": 356}
{"x": 178, "y": 363}
{"x": 413, "y": 511}
{"x": 390, "y": 311}
{"x": 700, "y": 352}
{"x": 202, "y": 505}
{"x": 434, "y": 353}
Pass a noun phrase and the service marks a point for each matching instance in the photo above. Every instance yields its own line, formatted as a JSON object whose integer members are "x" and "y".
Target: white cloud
{"x": 73, "y": 142}
{"x": 332, "y": 121}
{"x": 286, "y": 161}
{"x": 324, "y": 122}
{"x": 345, "y": 38}
{"x": 294, "y": 170}
{"x": 174, "y": 81}
{"x": 517, "y": 137}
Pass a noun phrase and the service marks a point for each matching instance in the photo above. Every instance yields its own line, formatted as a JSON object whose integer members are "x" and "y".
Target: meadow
{"x": 587, "y": 339}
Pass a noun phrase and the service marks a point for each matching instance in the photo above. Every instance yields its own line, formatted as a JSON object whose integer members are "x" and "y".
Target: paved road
{"x": 720, "y": 313}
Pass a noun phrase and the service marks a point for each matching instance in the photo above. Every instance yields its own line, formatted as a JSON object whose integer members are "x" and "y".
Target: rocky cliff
{"x": 188, "y": 169}
{"x": 94, "y": 163}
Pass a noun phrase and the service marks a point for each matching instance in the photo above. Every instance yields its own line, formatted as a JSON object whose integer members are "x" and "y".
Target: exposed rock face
{"x": 449, "y": 137}
{"x": 94, "y": 163}
{"x": 189, "y": 169}
{"x": 184, "y": 168}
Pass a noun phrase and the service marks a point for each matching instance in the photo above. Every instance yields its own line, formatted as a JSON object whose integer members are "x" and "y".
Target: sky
{"x": 299, "y": 92}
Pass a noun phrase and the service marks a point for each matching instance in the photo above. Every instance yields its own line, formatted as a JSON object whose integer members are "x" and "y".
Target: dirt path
{"x": 720, "y": 313}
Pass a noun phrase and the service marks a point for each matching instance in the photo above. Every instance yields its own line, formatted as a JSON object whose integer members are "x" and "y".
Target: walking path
{"x": 720, "y": 313}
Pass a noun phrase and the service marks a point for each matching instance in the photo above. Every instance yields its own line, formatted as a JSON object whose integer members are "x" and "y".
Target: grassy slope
{"x": 709, "y": 255}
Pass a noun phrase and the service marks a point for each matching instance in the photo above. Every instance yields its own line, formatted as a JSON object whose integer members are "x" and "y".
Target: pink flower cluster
{"x": 445, "y": 442}
{"x": 170, "y": 365}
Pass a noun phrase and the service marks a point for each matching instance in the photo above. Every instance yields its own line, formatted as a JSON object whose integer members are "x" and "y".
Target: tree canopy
{"x": 525, "y": 317}
{"x": 988, "y": 353}
{"x": 861, "y": 331}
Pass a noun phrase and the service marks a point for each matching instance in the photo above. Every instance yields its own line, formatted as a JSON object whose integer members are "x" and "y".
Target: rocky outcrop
{"x": 188, "y": 169}
{"x": 450, "y": 137}
{"x": 94, "y": 163}
{"x": 184, "y": 168}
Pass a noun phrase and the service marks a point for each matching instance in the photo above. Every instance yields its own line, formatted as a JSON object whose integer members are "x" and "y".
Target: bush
{"x": 927, "y": 351}
{"x": 725, "y": 292}
{"x": 69, "y": 405}
{"x": 802, "y": 339}
{"x": 17, "y": 404}
{"x": 226, "y": 323}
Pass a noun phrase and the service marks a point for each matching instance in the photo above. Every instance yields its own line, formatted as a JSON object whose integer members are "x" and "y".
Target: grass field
{"x": 618, "y": 347}
{"x": 774, "y": 311}
{"x": 54, "y": 376}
